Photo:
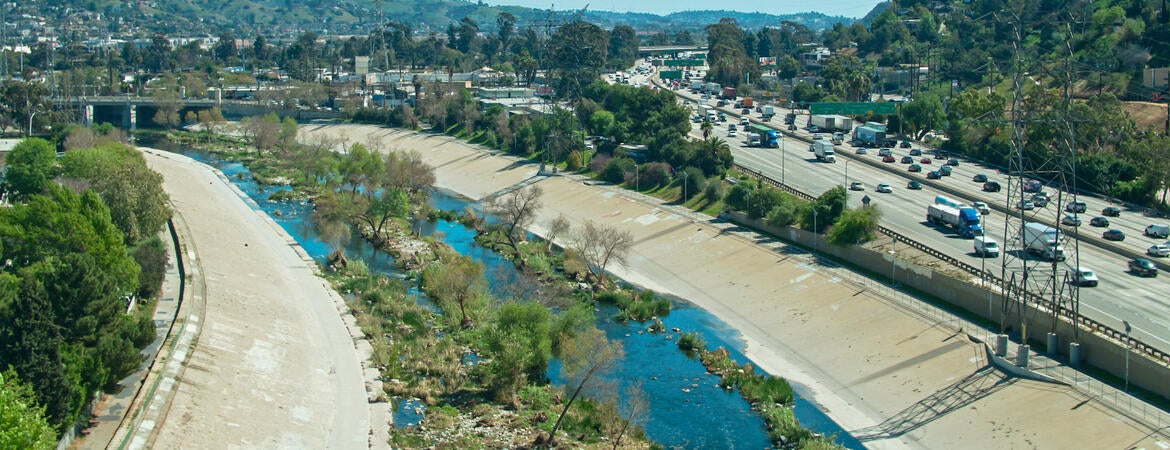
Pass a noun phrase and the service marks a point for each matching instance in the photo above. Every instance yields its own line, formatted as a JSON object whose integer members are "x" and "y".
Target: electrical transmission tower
{"x": 1041, "y": 254}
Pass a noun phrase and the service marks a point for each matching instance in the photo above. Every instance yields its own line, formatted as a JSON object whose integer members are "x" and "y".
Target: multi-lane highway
{"x": 1143, "y": 302}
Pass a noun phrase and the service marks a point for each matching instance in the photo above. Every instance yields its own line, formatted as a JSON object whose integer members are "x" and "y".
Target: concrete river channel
{"x": 687, "y": 408}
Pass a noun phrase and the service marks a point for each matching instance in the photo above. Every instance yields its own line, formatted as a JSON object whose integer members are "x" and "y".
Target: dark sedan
{"x": 914, "y": 185}
{"x": 1113, "y": 235}
{"x": 1111, "y": 211}
{"x": 990, "y": 186}
{"x": 907, "y": 160}
{"x": 1099, "y": 222}
{"x": 1143, "y": 267}
{"x": 914, "y": 168}
{"x": 979, "y": 178}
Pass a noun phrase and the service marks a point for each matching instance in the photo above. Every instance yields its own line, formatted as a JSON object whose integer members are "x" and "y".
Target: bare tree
{"x": 516, "y": 211}
{"x": 639, "y": 407}
{"x": 556, "y": 227}
{"x": 599, "y": 245}
{"x": 585, "y": 356}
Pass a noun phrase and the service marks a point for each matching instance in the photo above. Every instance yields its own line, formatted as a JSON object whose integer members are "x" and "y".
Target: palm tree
{"x": 706, "y": 127}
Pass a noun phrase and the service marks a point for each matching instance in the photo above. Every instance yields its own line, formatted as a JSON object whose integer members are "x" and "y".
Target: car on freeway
{"x": 914, "y": 168}
{"x": 884, "y": 188}
{"x": 1025, "y": 205}
{"x": 885, "y": 152}
{"x": 904, "y": 144}
{"x": 1075, "y": 207}
{"x": 1099, "y": 221}
{"x": 888, "y": 159}
{"x": 1111, "y": 211}
{"x": 1085, "y": 276}
{"x": 981, "y": 207}
{"x": 1040, "y": 200}
{"x": 979, "y": 178}
{"x": 944, "y": 171}
{"x": 745, "y": 111}
{"x": 1157, "y": 230}
{"x": 1159, "y": 250}
{"x": 744, "y": 121}
{"x": 861, "y": 151}
{"x": 933, "y": 175}
{"x": 731, "y": 132}
{"x": 1113, "y": 235}
{"x": 731, "y": 127}
{"x": 856, "y": 186}
{"x": 1143, "y": 267}
{"x": 913, "y": 185}
{"x": 915, "y": 152}
{"x": 991, "y": 186}
{"x": 1072, "y": 221}
{"x": 814, "y": 129}
{"x": 907, "y": 160}
{"x": 953, "y": 162}
{"x": 721, "y": 102}
{"x": 924, "y": 161}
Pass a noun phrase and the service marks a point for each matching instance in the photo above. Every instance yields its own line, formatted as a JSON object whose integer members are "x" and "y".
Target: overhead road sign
{"x": 848, "y": 108}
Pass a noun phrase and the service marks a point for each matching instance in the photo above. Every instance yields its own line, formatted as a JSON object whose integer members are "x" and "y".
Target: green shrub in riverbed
{"x": 691, "y": 342}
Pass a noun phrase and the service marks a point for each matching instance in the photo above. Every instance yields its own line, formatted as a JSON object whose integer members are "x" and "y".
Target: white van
{"x": 1158, "y": 230}
{"x": 986, "y": 247}
{"x": 1085, "y": 276}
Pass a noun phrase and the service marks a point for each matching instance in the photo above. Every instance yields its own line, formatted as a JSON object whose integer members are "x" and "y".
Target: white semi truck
{"x": 1043, "y": 241}
{"x": 824, "y": 151}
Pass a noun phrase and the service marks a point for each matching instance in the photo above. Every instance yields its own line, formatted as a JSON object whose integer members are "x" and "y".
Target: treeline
{"x": 80, "y": 246}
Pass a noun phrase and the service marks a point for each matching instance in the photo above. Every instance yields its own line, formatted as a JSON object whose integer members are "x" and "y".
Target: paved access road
{"x": 274, "y": 365}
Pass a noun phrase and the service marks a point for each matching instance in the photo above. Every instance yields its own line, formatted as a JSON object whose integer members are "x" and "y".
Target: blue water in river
{"x": 687, "y": 408}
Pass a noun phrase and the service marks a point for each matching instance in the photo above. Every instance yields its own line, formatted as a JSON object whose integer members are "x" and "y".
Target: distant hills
{"x": 283, "y": 17}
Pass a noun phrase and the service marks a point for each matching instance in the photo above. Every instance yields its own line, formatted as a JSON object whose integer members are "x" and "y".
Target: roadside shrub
{"x": 653, "y": 175}
{"x": 855, "y": 226}
{"x": 615, "y": 170}
{"x": 574, "y": 161}
{"x": 714, "y": 190}
{"x": 599, "y": 163}
{"x": 151, "y": 257}
{"x": 737, "y": 195}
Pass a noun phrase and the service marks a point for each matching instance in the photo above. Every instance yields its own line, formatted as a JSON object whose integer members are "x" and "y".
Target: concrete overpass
{"x": 129, "y": 112}
{"x": 669, "y": 49}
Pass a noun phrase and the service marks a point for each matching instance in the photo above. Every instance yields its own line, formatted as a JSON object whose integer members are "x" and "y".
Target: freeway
{"x": 1120, "y": 295}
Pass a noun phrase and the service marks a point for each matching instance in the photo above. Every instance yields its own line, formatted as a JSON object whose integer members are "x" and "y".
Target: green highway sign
{"x": 847, "y": 108}
{"x": 684, "y": 62}
{"x": 670, "y": 74}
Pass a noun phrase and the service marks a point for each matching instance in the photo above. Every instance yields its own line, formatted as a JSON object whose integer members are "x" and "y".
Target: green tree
{"x": 457, "y": 282}
{"x": 518, "y": 345}
{"x": 30, "y": 345}
{"x": 134, "y": 193}
{"x": 738, "y": 195}
{"x": 22, "y": 420}
{"x": 828, "y": 207}
{"x": 623, "y": 47}
{"x": 691, "y": 182}
{"x": 923, "y": 114}
{"x": 577, "y": 52}
{"x": 30, "y": 166}
{"x": 151, "y": 257}
{"x": 855, "y": 226}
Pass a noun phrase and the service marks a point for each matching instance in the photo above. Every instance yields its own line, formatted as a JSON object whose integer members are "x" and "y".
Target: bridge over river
{"x": 129, "y": 112}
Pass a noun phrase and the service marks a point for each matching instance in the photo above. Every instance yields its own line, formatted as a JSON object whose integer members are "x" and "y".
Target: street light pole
{"x": 893, "y": 256}
{"x": 814, "y": 211}
{"x": 30, "y": 121}
{"x": 782, "y": 158}
{"x": 846, "y": 183}
{"x": 1127, "y": 330}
